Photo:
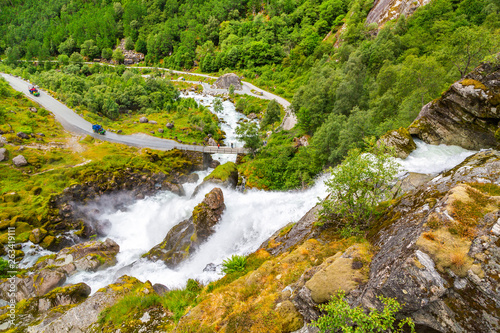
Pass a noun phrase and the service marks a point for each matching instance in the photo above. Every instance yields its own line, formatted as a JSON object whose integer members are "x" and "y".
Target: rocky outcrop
{"x": 226, "y": 80}
{"x": 467, "y": 114}
{"x": 386, "y": 10}
{"x": 82, "y": 317}
{"x": 223, "y": 175}
{"x": 185, "y": 238}
{"x": 439, "y": 253}
{"x": 50, "y": 306}
{"x": 143, "y": 120}
{"x": 52, "y": 271}
{"x": 400, "y": 141}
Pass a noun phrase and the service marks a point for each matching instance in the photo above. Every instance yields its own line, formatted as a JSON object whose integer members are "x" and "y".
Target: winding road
{"x": 76, "y": 124}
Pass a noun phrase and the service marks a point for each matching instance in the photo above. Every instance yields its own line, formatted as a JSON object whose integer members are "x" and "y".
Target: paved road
{"x": 74, "y": 123}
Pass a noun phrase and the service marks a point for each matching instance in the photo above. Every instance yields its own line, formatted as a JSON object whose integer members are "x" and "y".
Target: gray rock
{"x": 143, "y": 120}
{"x": 23, "y": 135}
{"x": 79, "y": 319}
{"x": 160, "y": 289}
{"x": 226, "y": 80}
{"x": 212, "y": 142}
{"x": 4, "y": 154}
{"x": 153, "y": 122}
{"x": 19, "y": 161}
{"x": 170, "y": 125}
{"x": 34, "y": 110}
{"x": 252, "y": 116}
{"x": 161, "y": 130}
{"x": 3, "y": 140}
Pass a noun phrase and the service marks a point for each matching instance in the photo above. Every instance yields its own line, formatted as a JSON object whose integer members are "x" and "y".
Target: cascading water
{"x": 248, "y": 220}
{"x": 229, "y": 117}
{"x": 434, "y": 159}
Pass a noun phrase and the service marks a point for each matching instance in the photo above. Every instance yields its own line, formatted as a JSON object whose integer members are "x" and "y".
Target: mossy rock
{"x": 48, "y": 241}
{"x": 11, "y": 197}
{"x": 399, "y": 142}
{"x": 37, "y": 235}
{"x": 497, "y": 134}
{"x": 224, "y": 173}
{"x": 291, "y": 319}
{"x": 22, "y": 227}
{"x": 23, "y": 237}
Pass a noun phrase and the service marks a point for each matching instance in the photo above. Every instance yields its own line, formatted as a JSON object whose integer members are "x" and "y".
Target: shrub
{"x": 234, "y": 264}
{"x": 340, "y": 316}
{"x": 357, "y": 185}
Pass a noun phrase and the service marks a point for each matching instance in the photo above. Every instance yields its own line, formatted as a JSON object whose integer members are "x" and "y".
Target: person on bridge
{"x": 218, "y": 145}
{"x": 231, "y": 145}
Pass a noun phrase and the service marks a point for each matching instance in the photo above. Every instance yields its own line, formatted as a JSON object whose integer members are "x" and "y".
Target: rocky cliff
{"x": 386, "y": 10}
{"x": 467, "y": 114}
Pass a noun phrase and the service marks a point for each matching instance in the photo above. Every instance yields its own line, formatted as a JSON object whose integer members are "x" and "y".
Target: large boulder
{"x": 400, "y": 141}
{"x": 19, "y": 161}
{"x": 466, "y": 115}
{"x": 226, "y": 80}
{"x": 186, "y": 237}
{"x": 4, "y": 154}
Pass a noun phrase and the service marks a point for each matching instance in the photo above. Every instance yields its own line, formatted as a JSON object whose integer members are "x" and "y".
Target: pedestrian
{"x": 218, "y": 145}
{"x": 231, "y": 145}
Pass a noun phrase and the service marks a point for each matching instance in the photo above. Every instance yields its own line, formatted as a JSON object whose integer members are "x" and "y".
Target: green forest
{"x": 343, "y": 87}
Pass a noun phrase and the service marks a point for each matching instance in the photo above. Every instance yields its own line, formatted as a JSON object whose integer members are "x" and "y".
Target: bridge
{"x": 73, "y": 122}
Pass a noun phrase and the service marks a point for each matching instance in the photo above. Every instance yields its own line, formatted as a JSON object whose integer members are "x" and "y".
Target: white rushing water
{"x": 249, "y": 219}
{"x": 229, "y": 121}
{"x": 434, "y": 159}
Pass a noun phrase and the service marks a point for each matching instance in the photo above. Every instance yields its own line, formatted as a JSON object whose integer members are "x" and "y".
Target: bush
{"x": 340, "y": 316}
{"x": 234, "y": 264}
{"x": 357, "y": 185}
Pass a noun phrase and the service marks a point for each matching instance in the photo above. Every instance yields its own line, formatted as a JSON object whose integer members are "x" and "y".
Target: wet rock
{"x": 226, "y": 80}
{"x": 19, "y": 161}
{"x": 52, "y": 271}
{"x": 186, "y": 237}
{"x": 37, "y": 235}
{"x": 400, "y": 141}
{"x": 210, "y": 268}
{"x": 191, "y": 178}
{"x": 4, "y": 154}
{"x": 466, "y": 115}
{"x": 410, "y": 182}
{"x": 214, "y": 164}
{"x": 23, "y": 135}
{"x": 143, "y": 120}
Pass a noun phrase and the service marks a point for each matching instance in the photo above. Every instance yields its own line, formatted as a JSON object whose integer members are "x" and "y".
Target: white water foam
{"x": 248, "y": 220}
{"x": 433, "y": 159}
{"x": 229, "y": 121}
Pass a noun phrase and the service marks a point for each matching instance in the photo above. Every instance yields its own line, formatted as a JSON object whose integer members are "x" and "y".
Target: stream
{"x": 248, "y": 220}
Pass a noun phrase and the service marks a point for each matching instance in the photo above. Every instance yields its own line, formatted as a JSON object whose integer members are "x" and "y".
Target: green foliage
{"x": 231, "y": 90}
{"x": 4, "y": 268}
{"x": 340, "y": 316}
{"x": 76, "y": 58}
{"x": 272, "y": 113}
{"x": 107, "y": 53}
{"x": 234, "y": 264}
{"x": 118, "y": 56}
{"x": 129, "y": 43}
{"x": 357, "y": 185}
{"x": 218, "y": 105}
{"x": 249, "y": 134}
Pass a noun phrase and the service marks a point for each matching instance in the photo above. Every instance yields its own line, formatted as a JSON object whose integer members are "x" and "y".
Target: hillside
{"x": 317, "y": 228}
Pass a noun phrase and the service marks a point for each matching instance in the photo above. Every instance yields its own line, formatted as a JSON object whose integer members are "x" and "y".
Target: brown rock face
{"x": 466, "y": 115}
{"x": 186, "y": 237}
